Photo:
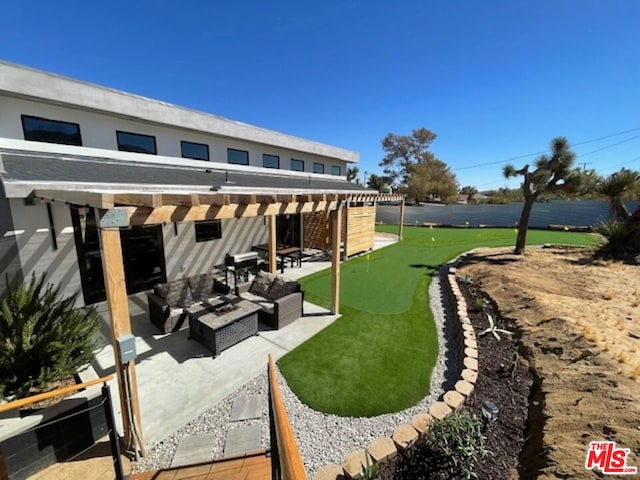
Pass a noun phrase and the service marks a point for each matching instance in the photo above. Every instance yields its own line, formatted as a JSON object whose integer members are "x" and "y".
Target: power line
{"x": 607, "y": 146}
{"x": 573, "y": 145}
{"x": 605, "y": 137}
{"x": 615, "y": 167}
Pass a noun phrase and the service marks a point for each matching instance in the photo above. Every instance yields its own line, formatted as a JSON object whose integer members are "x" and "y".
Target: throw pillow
{"x": 289, "y": 288}
{"x": 201, "y": 286}
{"x": 176, "y": 294}
{"x": 277, "y": 289}
{"x": 262, "y": 284}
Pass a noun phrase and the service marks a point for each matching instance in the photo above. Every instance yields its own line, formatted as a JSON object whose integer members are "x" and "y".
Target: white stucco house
{"x": 60, "y": 134}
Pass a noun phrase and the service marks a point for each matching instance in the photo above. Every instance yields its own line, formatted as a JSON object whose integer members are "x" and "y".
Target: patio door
{"x": 288, "y": 230}
{"x": 142, "y": 252}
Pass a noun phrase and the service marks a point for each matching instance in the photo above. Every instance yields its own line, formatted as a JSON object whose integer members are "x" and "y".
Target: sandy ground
{"x": 580, "y": 323}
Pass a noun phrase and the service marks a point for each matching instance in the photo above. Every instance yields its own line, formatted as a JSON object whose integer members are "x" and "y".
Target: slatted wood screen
{"x": 361, "y": 223}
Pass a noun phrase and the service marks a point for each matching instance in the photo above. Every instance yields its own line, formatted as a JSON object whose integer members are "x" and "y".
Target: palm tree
{"x": 622, "y": 232}
{"x": 617, "y": 187}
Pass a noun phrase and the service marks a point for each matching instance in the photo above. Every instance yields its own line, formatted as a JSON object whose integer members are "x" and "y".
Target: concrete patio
{"x": 178, "y": 379}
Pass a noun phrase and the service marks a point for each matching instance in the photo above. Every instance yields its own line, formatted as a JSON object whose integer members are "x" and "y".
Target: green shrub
{"x": 42, "y": 338}
{"x": 457, "y": 440}
{"x": 450, "y": 450}
{"x": 623, "y": 237}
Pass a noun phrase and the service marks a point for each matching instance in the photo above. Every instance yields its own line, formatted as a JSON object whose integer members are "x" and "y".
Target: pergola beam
{"x": 107, "y": 200}
{"x": 128, "y": 216}
{"x": 138, "y": 199}
{"x": 181, "y": 199}
{"x": 85, "y": 199}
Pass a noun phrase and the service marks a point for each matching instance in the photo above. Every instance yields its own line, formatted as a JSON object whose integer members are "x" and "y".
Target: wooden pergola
{"x": 118, "y": 209}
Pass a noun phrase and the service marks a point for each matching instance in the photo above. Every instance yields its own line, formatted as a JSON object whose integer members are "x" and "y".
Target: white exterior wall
{"x": 99, "y": 131}
{"x": 183, "y": 256}
{"x": 35, "y": 245}
{"x": 46, "y": 87}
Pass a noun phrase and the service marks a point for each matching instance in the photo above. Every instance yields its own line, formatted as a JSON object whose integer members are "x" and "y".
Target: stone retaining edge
{"x": 382, "y": 449}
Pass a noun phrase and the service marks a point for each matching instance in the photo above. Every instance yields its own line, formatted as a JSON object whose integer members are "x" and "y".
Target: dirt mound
{"x": 580, "y": 323}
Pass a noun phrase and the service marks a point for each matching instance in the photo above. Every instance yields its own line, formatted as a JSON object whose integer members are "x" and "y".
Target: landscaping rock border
{"x": 384, "y": 448}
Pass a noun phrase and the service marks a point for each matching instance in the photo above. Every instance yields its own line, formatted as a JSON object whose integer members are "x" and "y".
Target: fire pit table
{"x": 221, "y": 324}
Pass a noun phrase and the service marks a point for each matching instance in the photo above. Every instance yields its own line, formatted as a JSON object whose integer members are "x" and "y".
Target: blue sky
{"x": 494, "y": 79}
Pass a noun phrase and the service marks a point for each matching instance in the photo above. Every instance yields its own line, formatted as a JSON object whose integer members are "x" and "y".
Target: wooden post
{"x": 400, "y": 224}
{"x": 114, "y": 280}
{"x": 346, "y": 232}
{"x": 336, "y": 228}
{"x": 273, "y": 267}
{"x": 4, "y": 473}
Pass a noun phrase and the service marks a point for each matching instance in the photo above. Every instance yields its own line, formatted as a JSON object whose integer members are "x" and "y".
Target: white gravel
{"x": 321, "y": 438}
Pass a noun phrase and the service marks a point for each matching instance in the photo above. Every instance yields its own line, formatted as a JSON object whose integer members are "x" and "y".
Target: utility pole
{"x": 584, "y": 165}
{"x": 364, "y": 179}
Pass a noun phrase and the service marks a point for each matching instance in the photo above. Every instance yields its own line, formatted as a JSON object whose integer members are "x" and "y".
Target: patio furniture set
{"x": 218, "y": 318}
{"x": 283, "y": 253}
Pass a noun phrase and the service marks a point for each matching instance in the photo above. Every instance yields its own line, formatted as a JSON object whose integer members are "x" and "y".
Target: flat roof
{"x": 24, "y": 82}
{"x": 23, "y": 173}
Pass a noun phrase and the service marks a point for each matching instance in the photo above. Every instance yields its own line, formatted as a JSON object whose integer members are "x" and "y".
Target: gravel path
{"x": 338, "y": 436}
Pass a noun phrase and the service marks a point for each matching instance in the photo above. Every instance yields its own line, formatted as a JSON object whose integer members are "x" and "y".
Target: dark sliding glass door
{"x": 142, "y": 252}
{"x": 288, "y": 230}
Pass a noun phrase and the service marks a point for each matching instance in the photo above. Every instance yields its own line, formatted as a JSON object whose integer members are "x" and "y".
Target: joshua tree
{"x": 378, "y": 183}
{"x": 553, "y": 173}
{"x": 352, "y": 174}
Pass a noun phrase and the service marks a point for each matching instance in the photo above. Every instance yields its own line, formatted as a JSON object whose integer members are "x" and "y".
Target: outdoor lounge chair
{"x": 168, "y": 301}
{"x": 280, "y": 299}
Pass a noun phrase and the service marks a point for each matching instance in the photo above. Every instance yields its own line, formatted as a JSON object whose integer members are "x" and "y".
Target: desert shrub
{"x": 623, "y": 237}
{"x": 450, "y": 450}
{"x": 43, "y": 338}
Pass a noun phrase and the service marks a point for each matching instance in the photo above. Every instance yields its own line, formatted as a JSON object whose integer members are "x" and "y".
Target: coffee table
{"x": 221, "y": 323}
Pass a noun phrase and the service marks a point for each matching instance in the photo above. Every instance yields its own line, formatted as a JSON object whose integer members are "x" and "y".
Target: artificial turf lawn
{"x": 378, "y": 356}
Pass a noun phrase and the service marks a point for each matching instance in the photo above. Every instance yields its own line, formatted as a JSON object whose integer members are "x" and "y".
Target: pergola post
{"x": 273, "y": 267}
{"x": 114, "y": 280}
{"x": 345, "y": 240}
{"x": 336, "y": 230}
{"x": 401, "y": 222}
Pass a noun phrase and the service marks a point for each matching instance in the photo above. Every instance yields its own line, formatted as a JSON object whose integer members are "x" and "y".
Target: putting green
{"x": 378, "y": 357}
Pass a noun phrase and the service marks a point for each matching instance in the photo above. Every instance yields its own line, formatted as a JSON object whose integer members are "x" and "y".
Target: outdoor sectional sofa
{"x": 280, "y": 299}
{"x": 168, "y": 301}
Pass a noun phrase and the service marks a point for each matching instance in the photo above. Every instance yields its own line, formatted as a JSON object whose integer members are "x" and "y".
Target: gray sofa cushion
{"x": 262, "y": 284}
{"x": 281, "y": 288}
{"x": 266, "y": 305}
{"x": 176, "y": 294}
{"x": 201, "y": 286}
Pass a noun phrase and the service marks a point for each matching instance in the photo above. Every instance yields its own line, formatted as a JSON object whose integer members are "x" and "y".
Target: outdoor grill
{"x": 240, "y": 264}
{"x": 241, "y": 260}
